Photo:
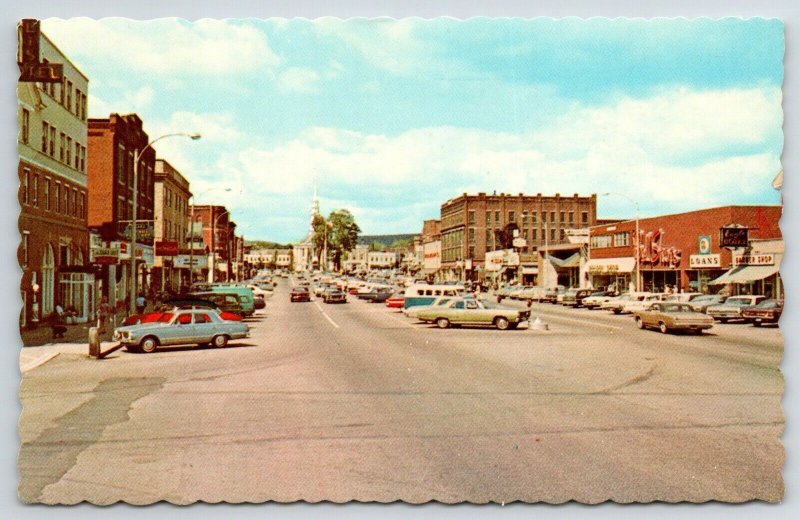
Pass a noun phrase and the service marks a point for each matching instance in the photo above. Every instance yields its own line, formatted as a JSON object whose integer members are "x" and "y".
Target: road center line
{"x": 325, "y": 314}
{"x": 587, "y": 322}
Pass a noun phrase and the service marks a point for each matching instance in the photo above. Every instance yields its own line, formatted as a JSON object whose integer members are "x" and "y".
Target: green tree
{"x": 342, "y": 235}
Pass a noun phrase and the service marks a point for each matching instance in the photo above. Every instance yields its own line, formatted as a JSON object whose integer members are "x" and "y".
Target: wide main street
{"x": 356, "y": 401}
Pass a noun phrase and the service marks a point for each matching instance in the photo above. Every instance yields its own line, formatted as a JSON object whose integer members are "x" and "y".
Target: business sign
{"x": 705, "y": 261}
{"x": 704, "y": 245}
{"x": 182, "y": 261}
{"x": 166, "y": 248}
{"x": 30, "y": 68}
{"x": 733, "y": 237}
{"x": 519, "y": 242}
{"x": 104, "y": 255}
{"x": 144, "y": 231}
{"x": 754, "y": 259}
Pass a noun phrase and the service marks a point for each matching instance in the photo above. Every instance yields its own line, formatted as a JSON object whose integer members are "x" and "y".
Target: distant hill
{"x": 266, "y": 244}
{"x": 386, "y": 240}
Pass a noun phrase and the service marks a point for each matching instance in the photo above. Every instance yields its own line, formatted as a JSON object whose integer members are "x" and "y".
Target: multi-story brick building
{"x": 680, "y": 250}
{"x": 52, "y": 144}
{"x": 219, "y": 238}
{"x": 171, "y": 214}
{"x": 114, "y": 143}
{"x": 472, "y": 225}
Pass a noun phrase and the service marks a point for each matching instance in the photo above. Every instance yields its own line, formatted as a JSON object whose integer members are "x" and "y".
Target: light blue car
{"x": 181, "y": 327}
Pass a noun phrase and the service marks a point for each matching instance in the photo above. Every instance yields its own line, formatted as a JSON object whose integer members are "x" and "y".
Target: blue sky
{"x": 392, "y": 118}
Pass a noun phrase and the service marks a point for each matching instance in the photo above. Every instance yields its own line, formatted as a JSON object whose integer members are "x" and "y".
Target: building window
{"x": 52, "y": 141}
{"x": 58, "y": 197}
{"x": 472, "y": 235}
{"x": 561, "y": 217}
{"x": 471, "y": 216}
{"x": 584, "y": 217}
{"x": 512, "y": 216}
{"x": 45, "y": 132}
{"x": 25, "y": 248}
{"x": 77, "y": 155}
{"x": 62, "y": 140}
{"x": 74, "y": 202}
{"x": 534, "y": 218}
{"x": 69, "y": 151}
{"x": 83, "y": 107}
{"x": 69, "y": 96}
{"x": 600, "y": 241}
{"x": 83, "y": 205}
{"x": 524, "y": 218}
{"x": 571, "y": 217}
{"x": 62, "y": 89}
{"x": 535, "y": 236}
{"x": 121, "y": 165}
{"x": 26, "y": 181}
{"x": 552, "y": 217}
{"x": 63, "y": 253}
{"x": 552, "y": 235}
{"x": 35, "y": 190}
{"x": 497, "y": 217}
{"x": 83, "y": 159}
{"x": 65, "y": 206}
{"x": 471, "y": 252}
{"x": 621, "y": 239}
{"x": 78, "y": 103}
{"x": 26, "y": 121}
{"x": 130, "y": 168}
{"x": 46, "y": 194}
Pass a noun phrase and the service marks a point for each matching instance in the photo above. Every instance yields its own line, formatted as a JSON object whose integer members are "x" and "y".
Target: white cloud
{"x": 298, "y": 79}
{"x": 164, "y": 47}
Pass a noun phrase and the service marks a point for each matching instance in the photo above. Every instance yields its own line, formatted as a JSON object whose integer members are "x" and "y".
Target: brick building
{"x": 218, "y": 232}
{"x": 52, "y": 145}
{"x": 472, "y": 225}
{"x": 113, "y": 145}
{"x": 171, "y": 214}
{"x": 680, "y": 250}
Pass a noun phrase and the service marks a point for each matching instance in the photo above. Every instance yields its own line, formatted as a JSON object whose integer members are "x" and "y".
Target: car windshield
{"x": 737, "y": 302}
{"x": 768, "y": 304}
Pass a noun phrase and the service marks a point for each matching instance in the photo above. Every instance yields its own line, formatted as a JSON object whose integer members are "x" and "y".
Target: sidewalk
{"x": 78, "y": 333}
{"x": 32, "y": 357}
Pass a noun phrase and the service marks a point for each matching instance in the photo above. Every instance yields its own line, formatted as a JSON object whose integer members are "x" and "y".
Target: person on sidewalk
{"x": 59, "y": 329}
{"x": 141, "y": 303}
{"x": 103, "y": 313}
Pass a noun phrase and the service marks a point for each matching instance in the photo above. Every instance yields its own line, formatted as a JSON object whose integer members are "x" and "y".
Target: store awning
{"x": 426, "y": 272}
{"x": 530, "y": 270}
{"x": 746, "y": 274}
{"x": 571, "y": 261}
{"x": 610, "y": 265}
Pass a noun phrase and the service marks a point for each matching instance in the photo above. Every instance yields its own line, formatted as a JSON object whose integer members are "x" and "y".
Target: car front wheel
{"x": 501, "y": 323}
{"x": 442, "y": 323}
{"x": 639, "y": 322}
{"x": 663, "y": 327}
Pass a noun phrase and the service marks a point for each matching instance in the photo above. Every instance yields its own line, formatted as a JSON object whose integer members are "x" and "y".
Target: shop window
{"x": 26, "y": 181}
{"x": 621, "y": 239}
{"x": 25, "y": 130}
{"x": 45, "y": 133}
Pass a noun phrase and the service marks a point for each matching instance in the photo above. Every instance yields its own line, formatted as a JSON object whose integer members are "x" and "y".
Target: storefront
{"x": 612, "y": 274}
{"x": 501, "y": 267}
{"x": 78, "y": 293}
{"x": 563, "y": 264}
{"x": 755, "y": 271}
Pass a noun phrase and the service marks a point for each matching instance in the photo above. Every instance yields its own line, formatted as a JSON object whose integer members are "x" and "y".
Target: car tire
{"x": 219, "y": 341}
{"x": 723, "y": 320}
{"x": 616, "y": 311}
{"x": 501, "y": 323}
{"x": 639, "y": 322}
{"x": 442, "y": 323}
{"x": 132, "y": 348}
{"x": 148, "y": 345}
{"x": 756, "y": 324}
{"x": 663, "y": 327}
{"x": 202, "y": 345}
{"x": 512, "y": 326}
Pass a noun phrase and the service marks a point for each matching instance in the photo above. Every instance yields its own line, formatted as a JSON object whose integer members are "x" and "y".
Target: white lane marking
{"x": 587, "y": 322}
{"x": 325, "y": 314}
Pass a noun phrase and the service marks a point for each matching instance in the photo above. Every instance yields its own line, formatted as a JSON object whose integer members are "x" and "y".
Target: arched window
{"x": 48, "y": 280}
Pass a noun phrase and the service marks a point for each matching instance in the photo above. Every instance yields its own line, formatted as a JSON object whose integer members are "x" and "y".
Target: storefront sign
{"x": 166, "y": 248}
{"x": 652, "y": 251}
{"x": 754, "y": 259}
{"x": 182, "y": 262}
{"x": 104, "y": 255}
{"x": 733, "y": 237}
{"x": 703, "y": 245}
{"x": 31, "y": 69}
{"x": 704, "y": 261}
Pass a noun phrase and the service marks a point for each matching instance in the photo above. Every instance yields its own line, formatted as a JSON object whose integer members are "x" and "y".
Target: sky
{"x": 391, "y": 118}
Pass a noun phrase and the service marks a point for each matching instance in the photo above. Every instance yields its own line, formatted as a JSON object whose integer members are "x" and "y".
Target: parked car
{"x": 300, "y": 294}
{"x": 379, "y": 295}
{"x": 413, "y": 312}
{"x": 616, "y": 304}
{"x": 181, "y": 327}
{"x": 334, "y": 295}
{"x": 732, "y": 308}
{"x": 258, "y": 302}
{"x": 396, "y": 301}
{"x": 575, "y": 297}
{"x": 469, "y": 311}
{"x": 703, "y": 302}
{"x": 684, "y": 297}
{"x": 199, "y": 303}
{"x": 768, "y": 311}
{"x": 597, "y": 298}
{"x": 551, "y": 295}
{"x": 672, "y": 316}
{"x": 505, "y": 291}
{"x": 228, "y": 302}
{"x": 640, "y": 303}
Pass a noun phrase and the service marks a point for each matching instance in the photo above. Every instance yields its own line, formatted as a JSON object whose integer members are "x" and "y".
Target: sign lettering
{"x": 654, "y": 253}
{"x": 704, "y": 261}
{"x": 754, "y": 259}
{"x": 733, "y": 237}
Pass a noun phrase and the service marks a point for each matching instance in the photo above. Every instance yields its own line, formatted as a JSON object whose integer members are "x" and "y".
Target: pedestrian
{"x": 58, "y": 321}
{"x": 103, "y": 313}
{"x": 141, "y": 303}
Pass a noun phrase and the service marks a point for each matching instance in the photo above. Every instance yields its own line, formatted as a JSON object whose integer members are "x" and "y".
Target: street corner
{"x": 34, "y": 357}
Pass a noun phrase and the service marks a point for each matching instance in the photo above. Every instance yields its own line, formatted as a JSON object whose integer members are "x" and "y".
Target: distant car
{"x": 597, "y": 298}
{"x": 642, "y": 302}
{"x": 258, "y": 302}
{"x": 334, "y": 295}
{"x": 672, "y": 316}
{"x": 181, "y": 327}
{"x": 469, "y": 311}
{"x": 768, "y": 311}
{"x": 616, "y": 304}
{"x": 684, "y": 297}
{"x": 396, "y": 301}
{"x": 575, "y": 297}
{"x": 732, "y": 308}
{"x": 378, "y": 294}
{"x": 228, "y": 302}
{"x": 551, "y": 295}
{"x": 703, "y": 302}
{"x": 300, "y": 294}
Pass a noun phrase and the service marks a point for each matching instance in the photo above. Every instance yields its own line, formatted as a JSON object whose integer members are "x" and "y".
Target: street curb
{"x": 41, "y": 360}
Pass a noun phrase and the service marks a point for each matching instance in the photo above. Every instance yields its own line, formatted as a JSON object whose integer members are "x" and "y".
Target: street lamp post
{"x": 134, "y": 216}
{"x": 637, "y": 253}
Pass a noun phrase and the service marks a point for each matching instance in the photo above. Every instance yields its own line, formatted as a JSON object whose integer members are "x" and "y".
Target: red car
{"x": 300, "y": 294}
{"x": 396, "y": 301}
{"x": 768, "y": 311}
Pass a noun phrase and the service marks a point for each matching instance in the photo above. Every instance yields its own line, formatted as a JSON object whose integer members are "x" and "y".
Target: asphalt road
{"x": 355, "y": 401}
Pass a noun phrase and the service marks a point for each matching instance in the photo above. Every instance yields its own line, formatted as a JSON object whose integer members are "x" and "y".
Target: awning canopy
{"x": 571, "y": 261}
{"x": 610, "y": 265}
{"x": 530, "y": 270}
{"x": 746, "y": 274}
{"x": 427, "y": 271}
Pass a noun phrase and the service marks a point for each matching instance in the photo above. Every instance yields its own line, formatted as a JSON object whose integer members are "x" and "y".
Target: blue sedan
{"x": 181, "y": 327}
